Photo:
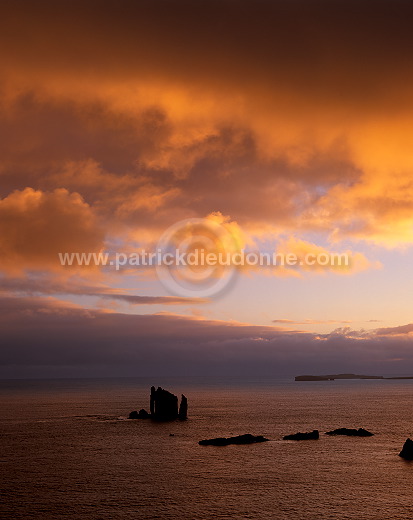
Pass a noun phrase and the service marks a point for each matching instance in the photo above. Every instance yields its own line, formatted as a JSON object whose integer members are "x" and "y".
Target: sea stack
{"x": 163, "y": 407}
{"x": 407, "y": 450}
{"x": 183, "y": 408}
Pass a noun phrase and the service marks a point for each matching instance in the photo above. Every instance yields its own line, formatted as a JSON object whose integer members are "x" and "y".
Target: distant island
{"x": 332, "y": 377}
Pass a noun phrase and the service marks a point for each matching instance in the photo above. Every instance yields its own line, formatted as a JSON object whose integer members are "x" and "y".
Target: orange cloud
{"x": 35, "y": 226}
{"x": 284, "y": 136}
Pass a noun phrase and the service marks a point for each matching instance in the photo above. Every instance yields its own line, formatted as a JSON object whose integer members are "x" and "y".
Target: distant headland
{"x": 332, "y": 377}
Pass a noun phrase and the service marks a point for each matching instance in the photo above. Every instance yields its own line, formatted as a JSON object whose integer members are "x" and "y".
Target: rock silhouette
{"x": 239, "y": 439}
{"x": 163, "y": 407}
{"x": 407, "y": 450}
{"x": 314, "y": 435}
{"x": 183, "y": 408}
{"x": 351, "y": 432}
{"x": 143, "y": 414}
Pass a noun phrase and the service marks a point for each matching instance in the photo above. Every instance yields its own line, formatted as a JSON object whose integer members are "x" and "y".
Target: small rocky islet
{"x": 351, "y": 432}
{"x": 407, "y": 450}
{"x": 238, "y": 439}
{"x": 306, "y": 436}
{"x": 164, "y": 407}
{"x": 315, "y": 434}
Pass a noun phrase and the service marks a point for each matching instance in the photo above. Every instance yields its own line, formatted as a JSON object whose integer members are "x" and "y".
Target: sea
{"x": 69, "y": 451}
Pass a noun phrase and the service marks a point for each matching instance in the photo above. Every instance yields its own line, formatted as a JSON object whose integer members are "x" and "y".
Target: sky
{"x": 263, "y": 126}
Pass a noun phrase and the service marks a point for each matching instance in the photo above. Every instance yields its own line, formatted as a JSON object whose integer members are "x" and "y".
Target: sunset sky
{"x": 289, "y": 122}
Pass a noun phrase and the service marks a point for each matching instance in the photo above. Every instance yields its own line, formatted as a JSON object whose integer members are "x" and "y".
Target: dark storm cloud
{"x": 113, "y": 159}
{"x": 40, "y": 134}
{"x": 330, "y": 47}
{"x": 40, "y": 332}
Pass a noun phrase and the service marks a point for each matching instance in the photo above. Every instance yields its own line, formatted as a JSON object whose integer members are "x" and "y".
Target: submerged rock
{"x": 239, "y": 439}
{"x": 351, "y": 432}
{"x": 314, "y": 435}
{"x": 407, "y": 450}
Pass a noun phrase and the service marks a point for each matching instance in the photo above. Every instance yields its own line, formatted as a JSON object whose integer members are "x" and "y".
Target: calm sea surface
{"x": 69, "y": 451}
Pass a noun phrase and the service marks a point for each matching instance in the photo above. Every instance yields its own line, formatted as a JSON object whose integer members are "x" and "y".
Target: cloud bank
{"x": 293, "y": 121}
{"x": 43, "y": 337}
